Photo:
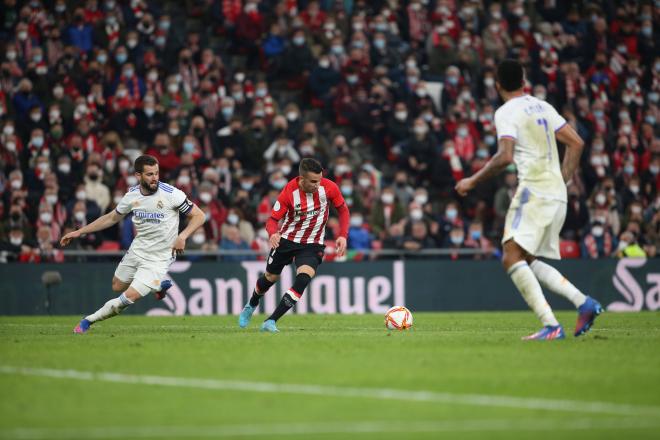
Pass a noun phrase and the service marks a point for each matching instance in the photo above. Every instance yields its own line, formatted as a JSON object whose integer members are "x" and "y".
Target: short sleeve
{"x": 180, "y": 201}
{"x": 555, "y": 120}
{"x": 505, "y": 126}
{"x": 281, "y": 205}
{"x": 124, "y": 205}
{"x": 336, "y": 197}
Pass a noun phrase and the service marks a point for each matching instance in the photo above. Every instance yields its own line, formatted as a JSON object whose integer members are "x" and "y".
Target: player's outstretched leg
{"x": 553, "y": 280}
{"x": 111, "y": 308}
{"x": 530, "y": 289}
{"x": 260, "y": 289}
{"x": 164, "y": 286}
{"x": 289, "y": 299}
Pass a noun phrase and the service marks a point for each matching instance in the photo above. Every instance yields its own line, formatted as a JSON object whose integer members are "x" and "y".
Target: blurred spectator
{"x": 232, "y": 241}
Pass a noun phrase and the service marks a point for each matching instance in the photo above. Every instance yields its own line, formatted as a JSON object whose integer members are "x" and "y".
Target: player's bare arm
{"x": 101, "y": 223}
{"x": 196, "y": 219}
{"x": 574, "y": 146}
{"x": 497, "y": 164}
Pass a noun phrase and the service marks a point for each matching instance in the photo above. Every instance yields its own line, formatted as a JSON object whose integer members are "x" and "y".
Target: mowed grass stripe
{"x": 498, "y": 401}
{"x": 288, "y": 429}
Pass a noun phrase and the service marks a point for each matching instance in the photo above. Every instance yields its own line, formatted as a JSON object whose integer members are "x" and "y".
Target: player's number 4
{"x": 544, "y": 123}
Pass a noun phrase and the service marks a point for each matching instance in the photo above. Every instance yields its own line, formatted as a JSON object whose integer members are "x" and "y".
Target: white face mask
{"x": 597, "y": 231}
{"x": 79, "y": 215}
{"x": 387, "y": 198}
{"x": 421, "y": 199}
{"x": 416, "y": 214}
{"x": 131, "y": 180}
{"x": 364, "y": 183}
{"x": 46, "y": 217}
{"x": 8, "y": 130}
{"x": 51, "y": 199}
{"x": 198, "y": 238}
{"x": 232, "y": 219}
{"x": 205, "y": 197}
{"x": 81, "y": 195}
{"x": 16, "y": 241}
{"x": 601, "y": 199}
{"x": 183, "y": 180}
{"x": 356, "y": 221}
{"x": 401, "y": 115}
{"x": 16, "y": 184}
{"x": 451, "y": 214}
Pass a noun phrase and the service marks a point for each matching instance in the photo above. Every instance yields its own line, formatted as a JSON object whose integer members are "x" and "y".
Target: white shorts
{"x": 149, "y": 273}
{"x": 535, "y": 223}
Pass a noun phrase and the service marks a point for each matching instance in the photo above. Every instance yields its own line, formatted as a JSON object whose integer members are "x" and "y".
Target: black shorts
{"x": 301, "y": 254}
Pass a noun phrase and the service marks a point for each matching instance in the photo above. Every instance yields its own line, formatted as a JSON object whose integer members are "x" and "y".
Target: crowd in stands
{"x": 395, "y": 98}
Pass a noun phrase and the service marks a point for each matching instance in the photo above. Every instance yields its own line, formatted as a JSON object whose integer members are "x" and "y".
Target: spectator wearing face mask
{"x": 475, "y": 239}
{"x": 14, "y": 247}
{"x": 454, "y": 242}
{"x": 233, "y": 241}
{"x": 95, "y": 189}
{"x": 598, "y": 242}
{"x": 629, "y": 247}
{"x": 46, "y": 220}
{"x": 449, "y": 219}
{"x": 236, "y": 218}
{"x": 359, "y": 237}
{"x": 386, "y": 211}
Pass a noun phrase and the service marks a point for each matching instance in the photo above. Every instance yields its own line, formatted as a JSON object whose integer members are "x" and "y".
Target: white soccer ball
{"x": 398, "y": 318}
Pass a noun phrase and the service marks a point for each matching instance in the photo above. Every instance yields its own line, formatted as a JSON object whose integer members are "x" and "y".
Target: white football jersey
{"x": 156, "y": 219}
{"x": 532, "y": 123}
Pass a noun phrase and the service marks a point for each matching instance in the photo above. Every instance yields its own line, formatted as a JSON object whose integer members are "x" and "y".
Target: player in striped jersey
{"x": 303, "y": 207}
{"x": 156, "y": 207}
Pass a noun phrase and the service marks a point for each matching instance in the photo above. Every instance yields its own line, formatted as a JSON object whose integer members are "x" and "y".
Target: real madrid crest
{"x": 159, "y": 205}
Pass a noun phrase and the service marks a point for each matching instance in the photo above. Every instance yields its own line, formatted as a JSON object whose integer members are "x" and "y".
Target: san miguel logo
{"x": 632, "y": 291}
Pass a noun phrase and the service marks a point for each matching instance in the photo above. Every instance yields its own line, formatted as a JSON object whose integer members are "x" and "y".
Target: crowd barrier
{"x": 220, "y": 288}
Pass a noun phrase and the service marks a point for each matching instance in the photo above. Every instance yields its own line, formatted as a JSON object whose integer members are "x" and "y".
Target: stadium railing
{"x": 91, "y": 255}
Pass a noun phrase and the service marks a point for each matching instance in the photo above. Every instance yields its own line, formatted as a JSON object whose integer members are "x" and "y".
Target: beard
{"x": 148, "y": 188}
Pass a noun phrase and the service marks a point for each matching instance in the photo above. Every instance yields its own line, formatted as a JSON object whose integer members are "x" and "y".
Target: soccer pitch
{"x": 454, "y": 375}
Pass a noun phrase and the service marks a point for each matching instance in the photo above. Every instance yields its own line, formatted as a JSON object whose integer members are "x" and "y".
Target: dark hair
{"x": 143, "y": 160}
{"x": 309, "y": 165}
{"x": 510, "y": 75}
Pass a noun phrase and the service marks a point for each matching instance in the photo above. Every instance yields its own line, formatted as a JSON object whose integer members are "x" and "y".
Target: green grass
{"x": 617, "y": 363}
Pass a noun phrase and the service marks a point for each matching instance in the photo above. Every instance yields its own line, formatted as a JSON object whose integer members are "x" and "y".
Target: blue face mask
{"x": 121, "y": 58}
{"x": 599, "y": 113}
{"x": 476, "y": 235}
{"x": 453, "y": 80}
{"x": 227, "y": 112}
{"x": 189, "y": 147}
{"x": 379, "y": 44}
{"x": 102, "y": 58}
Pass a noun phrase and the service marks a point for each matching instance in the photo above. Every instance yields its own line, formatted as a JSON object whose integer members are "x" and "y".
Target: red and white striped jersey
{"x": 305, "y": 214}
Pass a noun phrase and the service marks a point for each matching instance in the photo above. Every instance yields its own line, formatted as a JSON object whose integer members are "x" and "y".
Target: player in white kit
{"x": 527, "y": 130}
{"x": 156, "y": 207}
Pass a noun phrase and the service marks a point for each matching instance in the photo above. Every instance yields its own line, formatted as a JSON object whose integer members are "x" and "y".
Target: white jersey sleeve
{"x": 180, "y": 201}
{"x": 505, "y": 126}
{"x": 555, "y": 120}
{"x": 124, "y": 205}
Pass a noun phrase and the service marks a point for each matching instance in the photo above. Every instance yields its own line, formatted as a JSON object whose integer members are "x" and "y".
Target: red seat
{"x": 569, "y": 249}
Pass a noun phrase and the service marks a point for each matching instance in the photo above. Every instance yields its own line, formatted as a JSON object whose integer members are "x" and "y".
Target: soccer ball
{"x": 398, "y": 318}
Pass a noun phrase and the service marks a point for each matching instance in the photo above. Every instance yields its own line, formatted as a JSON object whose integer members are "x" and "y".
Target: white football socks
{"x": 530, "y": 289}
{"x": 553, "y": 280}
{"x": 111, "y": 308}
